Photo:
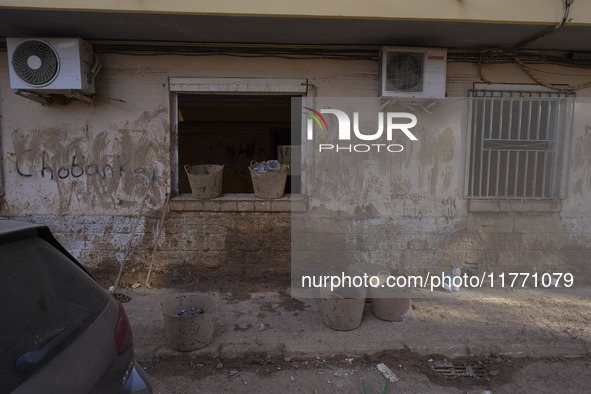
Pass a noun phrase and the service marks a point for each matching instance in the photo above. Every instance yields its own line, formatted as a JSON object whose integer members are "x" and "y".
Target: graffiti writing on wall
{"x": 31, "y": 162}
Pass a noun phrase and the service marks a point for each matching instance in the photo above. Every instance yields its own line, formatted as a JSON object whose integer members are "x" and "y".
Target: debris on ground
{"x": 190, "y": 312}
{"x": 442, "y": 364}
{"x": 122, "y": 298}
{"x": 234, "y": 373}
{"x": 387, "y": 372}
{"x": 408, "y": 315}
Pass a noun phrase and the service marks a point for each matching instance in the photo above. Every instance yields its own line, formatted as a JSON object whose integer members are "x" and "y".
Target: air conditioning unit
{"x": 51, "y": 65}
{"x": 412, "y": 72}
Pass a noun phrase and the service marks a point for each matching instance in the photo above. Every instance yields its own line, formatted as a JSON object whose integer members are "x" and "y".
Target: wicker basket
{"x": 205, "y": 180}
{"x": 268, "y": 184}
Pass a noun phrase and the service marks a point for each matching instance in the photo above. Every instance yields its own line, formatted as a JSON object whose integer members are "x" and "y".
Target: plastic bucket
{"x": 391, "y": 303}
{"x": 205, "y": 180}
{"x": 268, "y": 184}
{"x": 392, "y": 308}
{"x": 387, "y": 303}
{"x": 189, "y": 321}
{"x": 342, "y": 308}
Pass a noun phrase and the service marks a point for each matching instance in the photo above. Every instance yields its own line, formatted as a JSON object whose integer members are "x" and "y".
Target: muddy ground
{"x": 271, "y": 371}
{"x": 416, "y": 374}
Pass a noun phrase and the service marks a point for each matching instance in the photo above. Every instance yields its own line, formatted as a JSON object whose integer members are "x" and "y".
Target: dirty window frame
{"x": 547, "y": 143}
{"x": 229, "y": 86}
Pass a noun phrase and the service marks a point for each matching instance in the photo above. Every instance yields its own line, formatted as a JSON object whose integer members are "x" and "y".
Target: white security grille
{"x": 518, "y": 142}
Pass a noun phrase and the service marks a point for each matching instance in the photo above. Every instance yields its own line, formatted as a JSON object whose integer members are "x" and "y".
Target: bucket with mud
{"x": 392, "y": 303}
{"x": 391, "y": 307}
{"x": 388, "y": 301}
{"x": 342, "y": 308}
{"x": 189, "y": 321}
{"x": 205, "y": 180}
{"x": 270, "y": 184}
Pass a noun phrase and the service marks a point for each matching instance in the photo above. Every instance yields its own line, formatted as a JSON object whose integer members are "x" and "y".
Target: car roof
{"x": 8, "y": 226}
{"x": 11, "y": 230}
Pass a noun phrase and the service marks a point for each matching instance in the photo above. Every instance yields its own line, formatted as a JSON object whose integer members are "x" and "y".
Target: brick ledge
{"x": 508, "y": 206}
{"x": 239, "y": 202}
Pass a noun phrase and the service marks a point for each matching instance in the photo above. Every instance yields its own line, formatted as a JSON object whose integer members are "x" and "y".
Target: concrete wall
{"x": 84, "y": 170}
{"x": 410, "y": 213}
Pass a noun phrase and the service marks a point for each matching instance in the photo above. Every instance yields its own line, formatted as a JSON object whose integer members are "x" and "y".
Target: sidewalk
{"x": 274, "y": 324}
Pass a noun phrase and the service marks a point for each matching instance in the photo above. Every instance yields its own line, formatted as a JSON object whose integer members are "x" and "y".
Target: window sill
{"x": 508, "y": 206}
{"x": 238, "y": 203}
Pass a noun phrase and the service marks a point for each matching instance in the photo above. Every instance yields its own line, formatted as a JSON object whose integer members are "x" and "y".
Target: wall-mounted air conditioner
{"x": 51, "y": 65}
{"x": 412, "y": 72}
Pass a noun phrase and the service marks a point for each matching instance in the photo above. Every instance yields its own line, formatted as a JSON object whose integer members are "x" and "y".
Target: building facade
{"x": 180, "y": 84}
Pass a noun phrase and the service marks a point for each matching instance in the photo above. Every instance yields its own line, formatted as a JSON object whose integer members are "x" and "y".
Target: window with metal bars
{"x": 517, "y": 144}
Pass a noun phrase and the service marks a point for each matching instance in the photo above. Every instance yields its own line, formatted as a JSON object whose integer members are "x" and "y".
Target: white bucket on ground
{"x": 342, "y": 308}
{"x": 387, "y": 303}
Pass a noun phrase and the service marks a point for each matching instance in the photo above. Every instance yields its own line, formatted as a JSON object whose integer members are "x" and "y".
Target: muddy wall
{"x": 84, "y": 170}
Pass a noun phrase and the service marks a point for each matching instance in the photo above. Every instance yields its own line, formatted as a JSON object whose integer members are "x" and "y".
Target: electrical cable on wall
{"x": 529, "y": 72}
{"x": 518, "y": 56}
{"x": 567, "y": 4}
{"x": 539, "y": 81}
{"x": 520, "y": 59}
{"x": 479, "y": 70}
{"x": 486, "y": 56}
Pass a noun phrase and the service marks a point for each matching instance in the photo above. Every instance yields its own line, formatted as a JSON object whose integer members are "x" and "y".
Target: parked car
{"x": 60, "y": 332}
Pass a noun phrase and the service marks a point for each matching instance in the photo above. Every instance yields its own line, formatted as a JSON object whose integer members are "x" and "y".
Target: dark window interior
{"x": 233, "y": 130}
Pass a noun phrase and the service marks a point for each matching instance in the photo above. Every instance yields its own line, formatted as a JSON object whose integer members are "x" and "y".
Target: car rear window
{"x": 46, "y": 300}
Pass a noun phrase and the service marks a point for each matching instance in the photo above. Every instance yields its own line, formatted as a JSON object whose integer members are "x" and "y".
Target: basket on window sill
{"x": 270, "y": 184}
{"x": 205, "y": 180}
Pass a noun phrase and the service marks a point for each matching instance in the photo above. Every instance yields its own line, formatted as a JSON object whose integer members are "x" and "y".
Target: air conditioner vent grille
{"x": 412, "y": 72}
{"x": 35, "y": 62}
{"x": 404, "y": 71}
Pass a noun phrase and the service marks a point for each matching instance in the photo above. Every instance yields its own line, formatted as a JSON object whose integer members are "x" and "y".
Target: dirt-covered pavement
{"x": 267, "y": 342}
{"x": 509, "y": 375}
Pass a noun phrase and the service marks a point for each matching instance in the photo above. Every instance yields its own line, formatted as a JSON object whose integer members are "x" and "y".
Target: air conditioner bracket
{"x": 61, "y": 99}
